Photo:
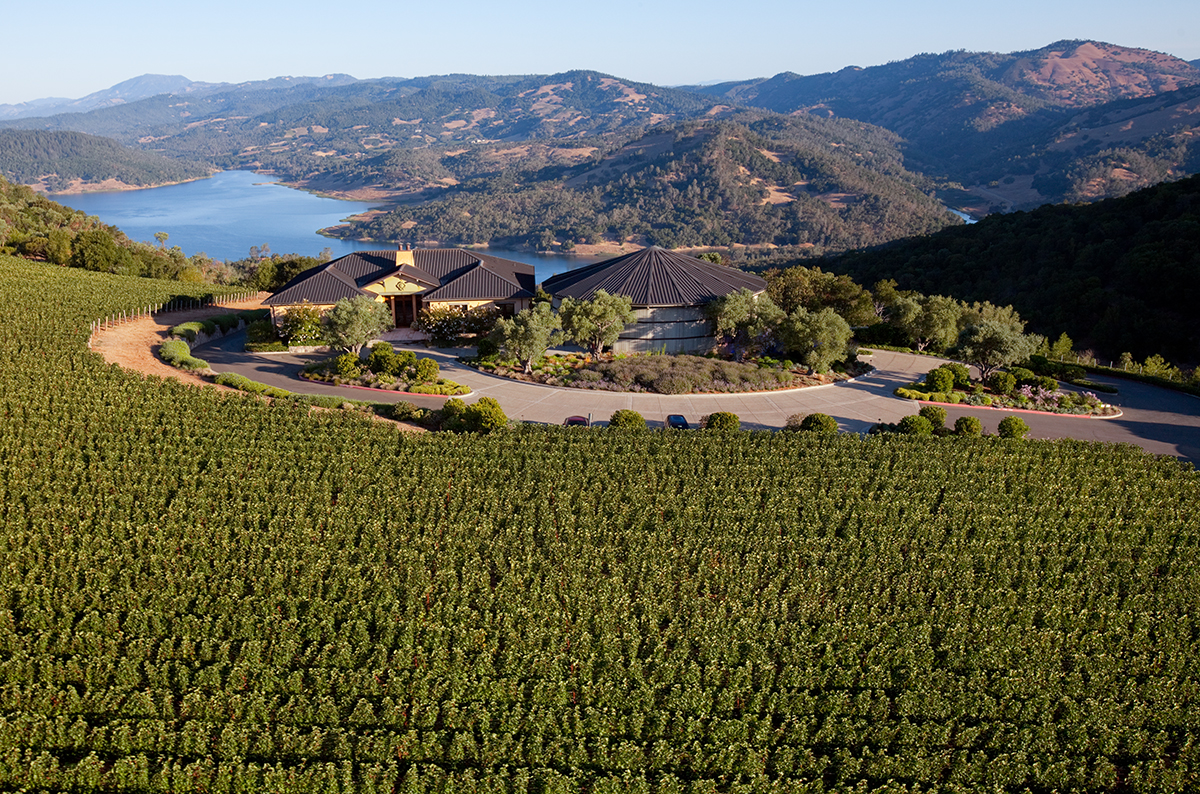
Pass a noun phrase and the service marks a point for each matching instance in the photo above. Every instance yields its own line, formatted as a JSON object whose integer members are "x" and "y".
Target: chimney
{"x": 403, "y": 254}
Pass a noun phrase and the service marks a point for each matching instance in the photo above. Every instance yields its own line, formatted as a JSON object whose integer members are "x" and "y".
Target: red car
{"x": 577, "y": 421}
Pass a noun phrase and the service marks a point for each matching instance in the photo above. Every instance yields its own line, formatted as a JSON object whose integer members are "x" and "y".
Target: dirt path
{"x": 133, "y": 345}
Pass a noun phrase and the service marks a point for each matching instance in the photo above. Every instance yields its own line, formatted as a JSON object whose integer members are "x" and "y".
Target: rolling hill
{"x": 751, "y": 179}
{"x": 558, "y": 149}
{"x": 1073, "y": 121}
{"x": 59, "y": 162}
{"x": 1117, "y": 275}
{"x": 982, "y": 118}
{"x": 146, "y": 86}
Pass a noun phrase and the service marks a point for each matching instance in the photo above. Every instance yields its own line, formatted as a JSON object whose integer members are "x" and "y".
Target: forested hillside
{"x": 1073, "y": 121}
{"x": 757, "y": 179}
{"x": 241, "y": 126}
{"x": 207, "y": 592}
{"x": 983, "y": 118}
{"x": 34, "y": 227}
{"x": 60, "y": 161}
{"x": 1122, "y": 275}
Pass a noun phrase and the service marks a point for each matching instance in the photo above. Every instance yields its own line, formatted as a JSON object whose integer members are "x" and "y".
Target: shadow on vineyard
{"x": 208, "y": 592}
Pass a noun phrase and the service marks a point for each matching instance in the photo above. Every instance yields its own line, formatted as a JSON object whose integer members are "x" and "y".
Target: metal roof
{"x": 654, "y": 277}
{"x": 326, "y": 285}
{"x": 450, "y": 274}
{"x": 480, "y": 283}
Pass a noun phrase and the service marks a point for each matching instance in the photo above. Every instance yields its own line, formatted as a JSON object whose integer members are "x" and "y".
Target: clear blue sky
{"x": 72, "y": 48}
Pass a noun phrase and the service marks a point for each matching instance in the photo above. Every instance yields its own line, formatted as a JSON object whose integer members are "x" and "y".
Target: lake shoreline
{"x": 80, "y": 188}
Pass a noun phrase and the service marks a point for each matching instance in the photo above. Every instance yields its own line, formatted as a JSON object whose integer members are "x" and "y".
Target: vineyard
{"x": 207, "y": 592}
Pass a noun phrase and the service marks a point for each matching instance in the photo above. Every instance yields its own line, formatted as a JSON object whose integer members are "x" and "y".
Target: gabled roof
{"x": 449, "y": 274}
{"x": 320, "y": 285}
{"x": 480, "y": 283}
{"x": 654, "y": 277}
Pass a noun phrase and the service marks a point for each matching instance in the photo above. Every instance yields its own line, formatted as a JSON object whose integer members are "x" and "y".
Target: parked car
{"x": 576, "y": 421}
{"x": 677, "y": 422}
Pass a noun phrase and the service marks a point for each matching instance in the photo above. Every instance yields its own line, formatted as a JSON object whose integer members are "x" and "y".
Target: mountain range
{"x": 1073, "y": 121}
{"x": 144, "y": 87}
{"x": 1013, "y": 126}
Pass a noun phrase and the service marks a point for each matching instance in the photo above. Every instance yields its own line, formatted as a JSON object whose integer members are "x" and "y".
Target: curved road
{"x": 1160, "y": 421}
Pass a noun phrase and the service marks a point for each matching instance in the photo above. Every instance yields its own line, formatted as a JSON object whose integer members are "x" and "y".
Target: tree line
{"x": 1121, "y": 275}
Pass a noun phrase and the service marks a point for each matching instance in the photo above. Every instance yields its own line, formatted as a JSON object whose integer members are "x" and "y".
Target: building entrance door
{"x": 407, "y": 307}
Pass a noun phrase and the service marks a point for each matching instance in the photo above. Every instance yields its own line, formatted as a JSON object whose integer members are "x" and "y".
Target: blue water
{"x": 225, "y": 215}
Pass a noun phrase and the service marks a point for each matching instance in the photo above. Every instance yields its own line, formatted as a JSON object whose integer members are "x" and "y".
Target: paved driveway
{"x": 1158, "y": 420}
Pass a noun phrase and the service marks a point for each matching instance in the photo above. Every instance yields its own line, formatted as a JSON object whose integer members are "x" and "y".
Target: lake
{"x": 226, "y": 214}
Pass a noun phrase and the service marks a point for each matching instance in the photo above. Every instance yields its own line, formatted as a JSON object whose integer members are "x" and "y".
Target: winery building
{"x": 668, "y": 291}
{"x": 408, "y": 281}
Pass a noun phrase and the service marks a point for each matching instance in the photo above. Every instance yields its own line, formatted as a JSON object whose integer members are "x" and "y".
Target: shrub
{"x": 939, "y": 380}
{"x": 242, "y": 383}
{"x": 174, "y": 351}
{"x": 445, "y": 324}
{"x": 481, "y": 320}
{"x": 226, "y": 322}
{"x": 441, "y": 386}
{"x": 348, "y": 365}
{"x": 405, "y": 412}
{"x": 261, "y": 331}
{"x": 427, "y": 370}
{"x": 961, "y": 373}
{"x": 910, "y": 394}
{"x": 588, "y": 376}
{"x": 936, "y": 397}
{"x": 1046, "y": 382}
{"x": 821, "y": 424}
{"x": 188, "y": 330}
{"x": 935, "y": 414}
{"x": 254, "y": 315}
{"x": 485, "y": 416}
{"x": 1012, "y": 427}
{"x": 722, "y": 422}
{"x": 968, "y": 426}
{"x": 383, "y": 359}
{"x": 191, "y": 362}
{"x": 487, "y": 348}
{"x": 914, "y": 425}
{"x": 672, "y": 383}
{"x": 302, "y": 325}
{"x": 1024, "y": 377}
{"x": 625, "y": 418}
{"x": 1002, "y": 382}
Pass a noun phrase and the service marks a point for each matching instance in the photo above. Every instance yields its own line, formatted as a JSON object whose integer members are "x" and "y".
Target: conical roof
{"x": 654, "y": 277}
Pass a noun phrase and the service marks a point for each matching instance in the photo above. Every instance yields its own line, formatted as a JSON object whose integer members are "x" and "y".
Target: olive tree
{"x": 992, "y": 344}
{"x": 747, "y": 321}
{"x": 528, "y": 335}
{"x": 818, "y": 338}
{"x": 352, "y": 323}
{"x": 596, "y": 323}
{"x": 930, "y": 320}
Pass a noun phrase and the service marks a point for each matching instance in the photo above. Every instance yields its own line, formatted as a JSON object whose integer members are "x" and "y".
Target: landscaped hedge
{"x": 177, "y": 353}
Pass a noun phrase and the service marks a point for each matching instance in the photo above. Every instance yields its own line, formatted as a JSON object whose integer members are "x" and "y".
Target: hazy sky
{"x": 72, "y": 48}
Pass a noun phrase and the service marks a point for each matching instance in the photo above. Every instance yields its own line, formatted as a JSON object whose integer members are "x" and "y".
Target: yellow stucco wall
{"x": 279, "y": 312}
{"x": 518, "y": 305}
{"x": 393, "y": 285}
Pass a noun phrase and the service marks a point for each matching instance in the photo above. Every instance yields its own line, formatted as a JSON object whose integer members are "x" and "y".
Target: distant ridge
{"x": 991, "y": 119}
{"x": 59, "y": 162}
{"x": 151, "y": 85}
